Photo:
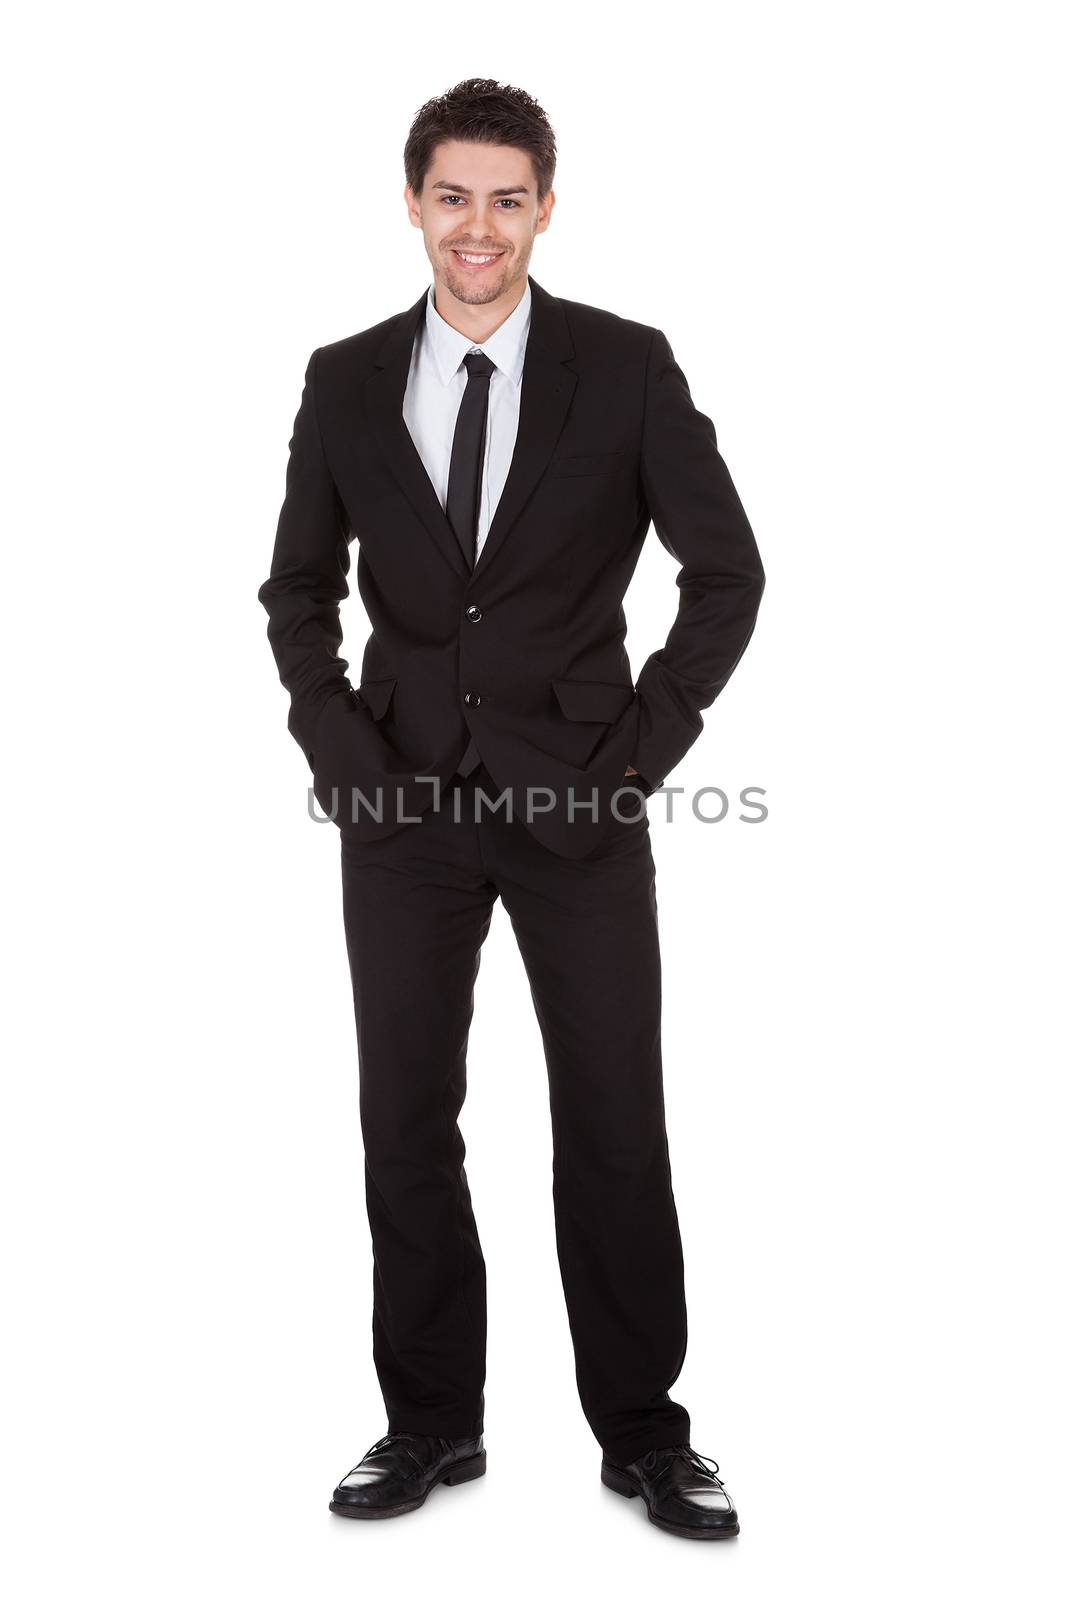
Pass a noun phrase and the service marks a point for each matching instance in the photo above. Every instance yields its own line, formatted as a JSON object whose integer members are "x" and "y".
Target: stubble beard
{"x": 472, "y": 293}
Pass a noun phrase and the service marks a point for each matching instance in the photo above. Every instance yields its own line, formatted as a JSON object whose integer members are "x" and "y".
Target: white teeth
{"x": 475, "y": 260}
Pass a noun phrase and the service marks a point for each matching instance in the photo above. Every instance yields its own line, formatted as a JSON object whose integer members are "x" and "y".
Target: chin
{"x": 474, "y": 294}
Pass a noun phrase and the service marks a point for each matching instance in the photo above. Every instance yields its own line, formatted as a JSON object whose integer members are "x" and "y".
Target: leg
{"x": 417, "y": 910}
{"x": 589, "y": 936}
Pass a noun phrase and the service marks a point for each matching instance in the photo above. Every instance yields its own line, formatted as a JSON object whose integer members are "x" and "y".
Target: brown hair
{"x": 484, "y": 112}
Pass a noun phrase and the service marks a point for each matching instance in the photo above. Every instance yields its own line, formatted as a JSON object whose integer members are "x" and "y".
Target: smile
{"x": 476, "y": 261}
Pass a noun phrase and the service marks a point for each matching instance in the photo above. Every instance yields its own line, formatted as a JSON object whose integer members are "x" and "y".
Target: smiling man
{"x": 498, "y": 453}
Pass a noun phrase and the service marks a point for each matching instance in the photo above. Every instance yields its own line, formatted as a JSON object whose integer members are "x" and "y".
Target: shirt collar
{"x": 506, "y": 347}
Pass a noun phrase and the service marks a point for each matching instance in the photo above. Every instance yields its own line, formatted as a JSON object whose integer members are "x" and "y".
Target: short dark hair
{"x": 481, "y": 111}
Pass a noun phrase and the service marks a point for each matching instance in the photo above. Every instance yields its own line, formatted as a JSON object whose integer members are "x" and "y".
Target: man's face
{"x": 478, "y": 200}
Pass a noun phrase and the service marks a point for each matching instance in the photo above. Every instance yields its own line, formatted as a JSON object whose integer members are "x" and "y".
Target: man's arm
{"x": 699, "y": 519}
{"x": 308, "y": 576}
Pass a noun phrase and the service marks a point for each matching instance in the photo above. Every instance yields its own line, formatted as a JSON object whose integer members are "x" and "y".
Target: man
{"x": 497, "y": 453}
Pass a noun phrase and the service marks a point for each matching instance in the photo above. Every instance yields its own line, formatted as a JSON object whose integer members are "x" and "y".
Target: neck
{"x": 476, "y": 323}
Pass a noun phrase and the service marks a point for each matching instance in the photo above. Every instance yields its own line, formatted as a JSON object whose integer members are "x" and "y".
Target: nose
{"x": 481, "y": 220}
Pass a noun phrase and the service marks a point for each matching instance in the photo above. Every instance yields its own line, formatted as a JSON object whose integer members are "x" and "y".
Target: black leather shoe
{"x": 399, "y": 1471}
{"x": 683, "y": 1495}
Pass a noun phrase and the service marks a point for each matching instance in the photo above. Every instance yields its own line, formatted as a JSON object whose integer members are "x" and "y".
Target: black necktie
{"x": 464, "y": 495}
{"x": 463, "y": 499}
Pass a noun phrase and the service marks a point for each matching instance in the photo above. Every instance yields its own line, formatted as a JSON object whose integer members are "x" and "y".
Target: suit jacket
{"x": 525, "y": 651}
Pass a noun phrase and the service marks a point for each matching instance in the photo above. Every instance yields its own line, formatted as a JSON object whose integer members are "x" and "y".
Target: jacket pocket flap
{"x": 376, "y": 695}
{"x": 585, "y": 701}
{"x": 581, "y": 466}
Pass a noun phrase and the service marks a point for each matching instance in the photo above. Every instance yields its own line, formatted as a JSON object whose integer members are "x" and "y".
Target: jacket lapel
{"x": 544, "y": 399}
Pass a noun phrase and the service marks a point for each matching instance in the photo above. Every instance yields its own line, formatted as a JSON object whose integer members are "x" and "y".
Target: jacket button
{"x": 473, "y": 614}
{"x": 471, "y": 699}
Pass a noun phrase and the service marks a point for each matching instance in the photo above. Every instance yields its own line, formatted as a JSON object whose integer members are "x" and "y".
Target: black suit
{"x": 525, "y": 652}
{"x": 608, "y": 436}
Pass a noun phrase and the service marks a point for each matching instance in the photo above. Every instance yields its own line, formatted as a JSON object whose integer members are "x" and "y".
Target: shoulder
{"x": 609, "y": 349}
{"x": 598, "y": 325}
{"x": 357, "y": 350}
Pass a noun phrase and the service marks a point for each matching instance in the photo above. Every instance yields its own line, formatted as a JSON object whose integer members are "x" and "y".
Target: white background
{"x": 846, "y": 219}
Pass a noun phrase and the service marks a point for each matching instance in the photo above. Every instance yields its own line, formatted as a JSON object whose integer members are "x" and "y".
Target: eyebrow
{"x": 457, "y": 188}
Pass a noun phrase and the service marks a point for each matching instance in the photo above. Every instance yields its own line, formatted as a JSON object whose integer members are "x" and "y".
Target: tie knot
{"x": 479, "y": 365}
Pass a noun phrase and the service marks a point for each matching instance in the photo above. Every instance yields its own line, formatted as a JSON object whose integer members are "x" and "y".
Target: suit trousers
{"x": 417, "y": 908}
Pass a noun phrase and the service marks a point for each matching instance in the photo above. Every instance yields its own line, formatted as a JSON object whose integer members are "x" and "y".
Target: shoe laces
{"x": 388, "y": 1441}
{"x": 693, "y": 1457}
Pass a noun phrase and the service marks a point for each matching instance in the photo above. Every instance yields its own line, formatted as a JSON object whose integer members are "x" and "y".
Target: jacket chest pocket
{"x": 584, "y": 466}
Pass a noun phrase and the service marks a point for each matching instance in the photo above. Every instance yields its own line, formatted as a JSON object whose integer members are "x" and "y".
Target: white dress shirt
{"x": 436, "y": 380}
